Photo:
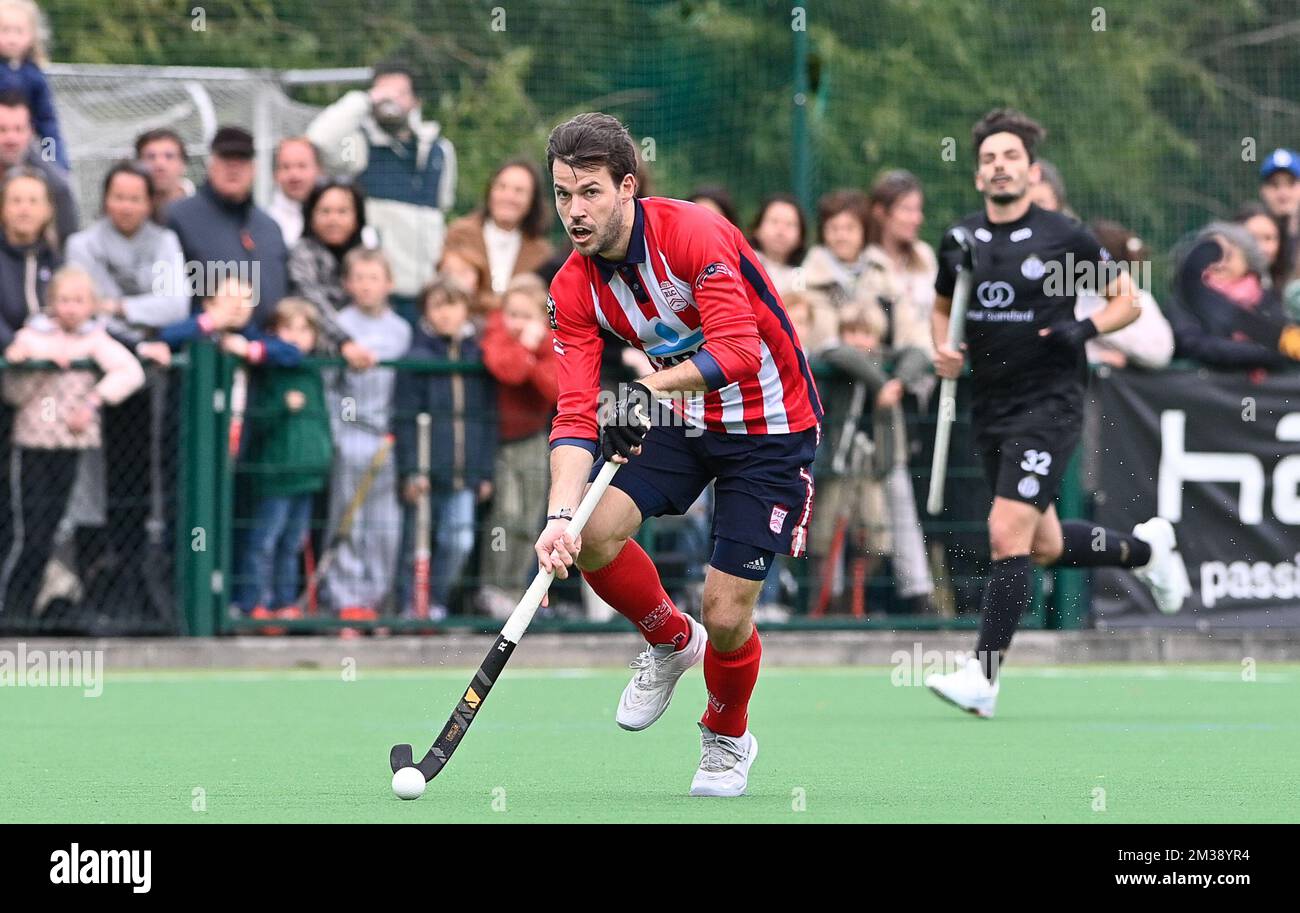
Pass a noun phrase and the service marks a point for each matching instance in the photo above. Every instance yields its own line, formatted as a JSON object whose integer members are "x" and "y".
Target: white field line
{"x": 1227, "y": 673}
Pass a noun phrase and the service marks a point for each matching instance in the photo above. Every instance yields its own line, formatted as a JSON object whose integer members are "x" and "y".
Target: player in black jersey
{"x": 1028, "y": 376}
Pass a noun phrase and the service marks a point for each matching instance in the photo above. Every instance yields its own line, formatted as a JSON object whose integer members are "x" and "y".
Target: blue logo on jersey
{"x": 674, "y": 342}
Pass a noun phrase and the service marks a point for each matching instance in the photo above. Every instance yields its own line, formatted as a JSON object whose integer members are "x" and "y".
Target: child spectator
{"x": 22, "y": 45}
{"x": 846, "y": 468}
{"x": 518, "y": 353}
{"x": 225, "y": 319}
{"x": 464, "y": 434}
{"x": 57, "y": 417}
{"x": 467, "y": 270}
{"x": 365, "y": 565}
{"x": 288, "y": 456}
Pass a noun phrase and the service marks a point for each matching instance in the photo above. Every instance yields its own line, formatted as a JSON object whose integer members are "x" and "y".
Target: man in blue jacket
{"x": 223, "y": 230}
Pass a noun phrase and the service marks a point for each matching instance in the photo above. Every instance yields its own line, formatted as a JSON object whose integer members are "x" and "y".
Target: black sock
{"x": 1006, "y": 597}
{"x": 1089, "y": 545}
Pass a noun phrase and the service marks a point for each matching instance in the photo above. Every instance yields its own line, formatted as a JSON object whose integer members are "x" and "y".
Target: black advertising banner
{"x": 1219, "y": 456}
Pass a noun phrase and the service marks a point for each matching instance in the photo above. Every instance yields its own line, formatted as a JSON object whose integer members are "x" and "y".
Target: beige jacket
{"x": 910, "y": 293}
{"x": 44, "y": 397}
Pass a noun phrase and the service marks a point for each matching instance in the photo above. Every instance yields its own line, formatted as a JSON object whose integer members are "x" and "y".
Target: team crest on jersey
{"x": 712, "y": 269}
{"x": 550, "y": 312}
{"x": 1028, "y": 487}
{"x": 674, "y": 298}
{"x": 777, "y": 520}
{"x": 1032, "y": 268}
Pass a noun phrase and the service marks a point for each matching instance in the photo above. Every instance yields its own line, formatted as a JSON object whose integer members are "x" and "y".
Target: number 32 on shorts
{"x": 1039, "y": 461}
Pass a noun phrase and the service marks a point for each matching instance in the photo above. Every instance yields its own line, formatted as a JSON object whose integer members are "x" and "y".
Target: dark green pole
{"x": 801, "y": 160}
{"x": 197, "y": 534}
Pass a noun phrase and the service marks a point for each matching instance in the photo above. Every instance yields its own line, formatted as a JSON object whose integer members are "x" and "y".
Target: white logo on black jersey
{"x": 1033, "y": 268}
{"x": 1028, "y": 487}
{"x": 1021, "y": 234}
{"x": 995, "y": 294}
{"x": 983, "y": 234}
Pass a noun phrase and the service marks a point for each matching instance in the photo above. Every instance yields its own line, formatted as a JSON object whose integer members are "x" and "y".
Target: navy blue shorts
{"x": 763, "y": 489}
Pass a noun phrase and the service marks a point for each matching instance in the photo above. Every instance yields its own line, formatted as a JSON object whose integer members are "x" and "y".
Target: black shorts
{"x": 763, "y": 489}
{"x": 1026, "y": 448}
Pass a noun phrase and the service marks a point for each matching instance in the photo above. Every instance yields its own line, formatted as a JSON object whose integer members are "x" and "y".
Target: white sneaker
{"x": 724, "y": 764}
{"x": 967, "y": 688}
{"x": 650, "y": 692}
{"x": 1165, "y": 574}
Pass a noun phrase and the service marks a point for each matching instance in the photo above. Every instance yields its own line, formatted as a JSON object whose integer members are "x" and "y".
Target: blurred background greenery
{"x": 1157, "y": 110}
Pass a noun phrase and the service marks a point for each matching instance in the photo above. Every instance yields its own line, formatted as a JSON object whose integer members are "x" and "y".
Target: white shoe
{"x": 966, "y": 688}
{"x": 724, "y": 764}
{"x": 1165, "y": 574}
{"x": 650, "y": 692}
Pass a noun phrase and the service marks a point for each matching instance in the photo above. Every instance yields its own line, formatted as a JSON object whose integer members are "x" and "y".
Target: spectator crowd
{"x": 343, "y": 292}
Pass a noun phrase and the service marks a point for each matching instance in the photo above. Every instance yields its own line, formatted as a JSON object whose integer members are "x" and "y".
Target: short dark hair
{"x": 853, "y": 202}
{"x": 538, "y": 217}
{"x": 14, "y": 98}
{"x": 1008, "y": 120}
{"x": 593, "y": 140}
{"x": 394, "y": 68}
{"x": 149, "y": 137}
{"x": 124, "y": 166}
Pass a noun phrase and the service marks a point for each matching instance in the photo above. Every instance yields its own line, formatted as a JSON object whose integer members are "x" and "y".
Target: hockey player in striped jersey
{"x": 732, "y": 402}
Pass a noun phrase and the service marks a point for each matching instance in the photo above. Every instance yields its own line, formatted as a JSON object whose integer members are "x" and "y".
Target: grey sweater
{"x": 145, "y": 271}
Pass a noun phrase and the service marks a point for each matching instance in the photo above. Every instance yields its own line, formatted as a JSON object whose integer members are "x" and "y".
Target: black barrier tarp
{"x": 1218, "y": 455}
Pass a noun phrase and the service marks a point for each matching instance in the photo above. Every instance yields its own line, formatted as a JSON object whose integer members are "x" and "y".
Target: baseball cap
{"x": 1280, "y": 160}
{"x": 233, "y": 142}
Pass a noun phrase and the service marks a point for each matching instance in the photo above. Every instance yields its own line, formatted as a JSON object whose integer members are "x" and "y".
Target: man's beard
{"x": 608, "y": 236}
{"x": 1003, "y": 197}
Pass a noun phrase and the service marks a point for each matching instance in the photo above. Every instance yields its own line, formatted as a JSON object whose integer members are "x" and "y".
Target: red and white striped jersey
{"x": 690, "y": 287}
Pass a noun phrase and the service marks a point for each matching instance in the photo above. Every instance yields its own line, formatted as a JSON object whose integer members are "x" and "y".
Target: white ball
{"x": 408, "y": 783}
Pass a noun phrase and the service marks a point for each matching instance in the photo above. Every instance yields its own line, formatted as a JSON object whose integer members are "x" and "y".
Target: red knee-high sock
{"x": 631, "y": 584}
{"x": 730, "y": 678}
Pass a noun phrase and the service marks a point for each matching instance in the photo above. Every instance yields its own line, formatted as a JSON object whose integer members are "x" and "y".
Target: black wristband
{"x": 562, "y": 515}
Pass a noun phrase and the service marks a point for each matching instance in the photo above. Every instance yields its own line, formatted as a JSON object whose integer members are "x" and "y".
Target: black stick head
{"x": 401, "y": 756}
{"x": 966, "y": 242}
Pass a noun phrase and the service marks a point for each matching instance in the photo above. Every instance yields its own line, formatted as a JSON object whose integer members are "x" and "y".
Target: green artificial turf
{"x": 1165, "y": 743}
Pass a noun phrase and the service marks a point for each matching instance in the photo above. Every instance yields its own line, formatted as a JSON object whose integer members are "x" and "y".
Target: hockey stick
{"x": 436, "y": 758}
{"x": 948, "y": 389}
{"x": 423, "y": 518}
{"x": 344, "y": 530}
{"x": 238, "y": 403}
